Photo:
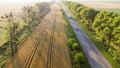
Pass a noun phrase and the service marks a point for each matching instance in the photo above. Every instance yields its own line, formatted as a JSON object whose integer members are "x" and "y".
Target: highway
{"x": 94, "y": 56}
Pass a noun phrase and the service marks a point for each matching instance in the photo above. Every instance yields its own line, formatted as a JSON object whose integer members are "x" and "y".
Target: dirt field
{"x": 7, "y": 7}
{"x": 102, "y": 5}
{"x": 46, "y": 47}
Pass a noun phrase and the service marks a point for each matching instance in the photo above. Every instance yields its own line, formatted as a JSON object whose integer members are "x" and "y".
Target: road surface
{"x": 47, "y": 45}
{"x": 95, "y": 58}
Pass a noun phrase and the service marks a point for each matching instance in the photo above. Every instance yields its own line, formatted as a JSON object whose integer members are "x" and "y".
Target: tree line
{"x": 105, "y": 25}
{"x": 18, "y": 28}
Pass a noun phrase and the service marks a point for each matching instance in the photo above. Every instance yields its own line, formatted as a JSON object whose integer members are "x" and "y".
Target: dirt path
{"x": 46, "y": 47}
{"x": 94, "y": 56}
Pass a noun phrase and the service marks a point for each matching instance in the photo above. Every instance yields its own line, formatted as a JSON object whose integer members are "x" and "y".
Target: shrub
{"x": 75, "y": 46}
{"x": 71, "y": 41}
{"x": 79, "y": 58}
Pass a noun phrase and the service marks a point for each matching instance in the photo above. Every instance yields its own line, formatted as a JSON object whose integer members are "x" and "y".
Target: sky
{"x": 51, "y": 0}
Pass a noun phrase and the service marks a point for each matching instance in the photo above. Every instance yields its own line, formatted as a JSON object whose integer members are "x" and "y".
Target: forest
{"x": 104, "y": 25}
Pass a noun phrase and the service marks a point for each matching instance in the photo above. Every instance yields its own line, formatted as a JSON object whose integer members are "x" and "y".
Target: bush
{"x": 79, "y": 58}
{"x": 70, "y": 42}
{"x": 75, "y": 46}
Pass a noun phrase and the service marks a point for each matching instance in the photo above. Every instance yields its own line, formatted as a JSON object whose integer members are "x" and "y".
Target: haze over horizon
{"x": 19, "y": 1}
{"x": 15, "y": 5}
{"x": 24, "y": 0}
{"x": 95, "y": 0}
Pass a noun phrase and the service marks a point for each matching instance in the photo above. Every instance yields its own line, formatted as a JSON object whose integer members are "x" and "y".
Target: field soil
{"x": 102, "y": 5}
{"x": 15, "y": 7}
{"x": 47, "y": 45}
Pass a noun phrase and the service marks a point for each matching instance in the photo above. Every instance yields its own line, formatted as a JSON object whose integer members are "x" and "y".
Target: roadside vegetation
{"x": 103, "y": 28}
{"x": 15, "y": 29}
{"x": 78, "y": 58}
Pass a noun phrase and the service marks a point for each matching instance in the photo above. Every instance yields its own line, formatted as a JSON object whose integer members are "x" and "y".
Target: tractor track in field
{"x": 51, "y": 44}
{"x": 34, "y": 49}
{"x": 30, "y": 57}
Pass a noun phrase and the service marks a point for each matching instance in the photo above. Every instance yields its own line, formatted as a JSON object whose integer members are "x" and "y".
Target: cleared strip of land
{"x": 46, "y": 47}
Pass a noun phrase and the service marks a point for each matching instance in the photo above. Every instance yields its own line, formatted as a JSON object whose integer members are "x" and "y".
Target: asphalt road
{"x": 94, "y": 56}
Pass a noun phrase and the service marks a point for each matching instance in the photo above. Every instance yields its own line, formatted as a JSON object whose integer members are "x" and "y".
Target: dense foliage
{"x": 18, "y": 28}
{"x": 105, "y": 25}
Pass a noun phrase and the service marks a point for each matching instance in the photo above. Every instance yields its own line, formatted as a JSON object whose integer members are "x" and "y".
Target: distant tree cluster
{"x": 85, "y": 14}
{"x": 104, "y": 24}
